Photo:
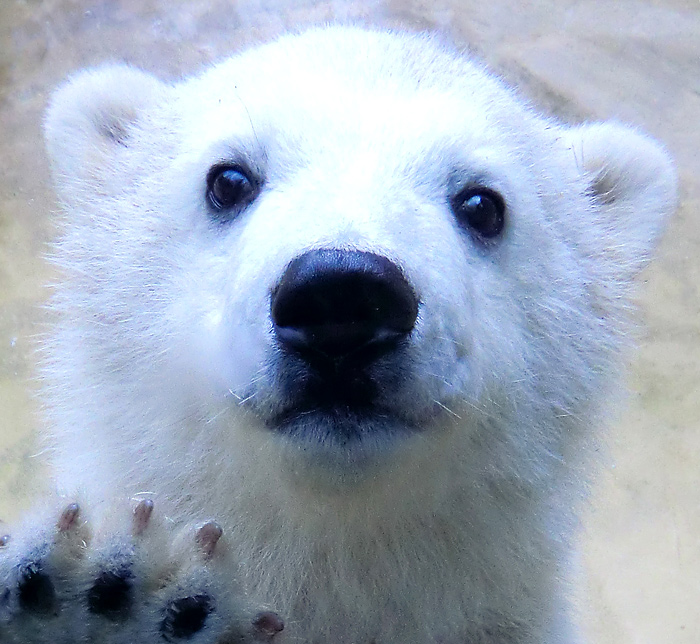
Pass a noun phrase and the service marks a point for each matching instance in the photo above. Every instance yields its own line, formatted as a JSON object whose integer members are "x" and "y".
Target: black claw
{"x": 185, "y": 617}
{"x": 36, "y": 590}
{"x": 110, "y": 595}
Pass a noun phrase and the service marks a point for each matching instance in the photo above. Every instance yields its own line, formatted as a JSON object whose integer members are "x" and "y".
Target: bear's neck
{"x": 373, "y": 568}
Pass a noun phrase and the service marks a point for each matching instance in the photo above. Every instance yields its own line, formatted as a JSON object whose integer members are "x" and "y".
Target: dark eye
{"x": 481, "y": 209}
{"x": 230, "y": 187}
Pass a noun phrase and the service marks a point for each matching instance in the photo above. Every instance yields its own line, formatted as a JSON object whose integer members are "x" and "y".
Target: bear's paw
{"x": 63, "y": 580}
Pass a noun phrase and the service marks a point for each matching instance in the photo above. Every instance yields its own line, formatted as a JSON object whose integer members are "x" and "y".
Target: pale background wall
{"x": 634, "y": 60}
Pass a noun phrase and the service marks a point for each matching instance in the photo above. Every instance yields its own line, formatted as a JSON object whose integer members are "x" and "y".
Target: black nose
{"x": 338, "y": 303}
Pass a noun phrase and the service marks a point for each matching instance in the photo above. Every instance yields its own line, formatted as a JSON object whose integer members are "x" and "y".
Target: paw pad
{"x": 36, "y": 591}
{"x": 110, "y": 595}
{"x": 185, "y": 617}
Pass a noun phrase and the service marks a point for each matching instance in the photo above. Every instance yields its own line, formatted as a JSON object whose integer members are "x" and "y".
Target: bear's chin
{"x": 342, "y": 438}
{"x": 341, "y": 427}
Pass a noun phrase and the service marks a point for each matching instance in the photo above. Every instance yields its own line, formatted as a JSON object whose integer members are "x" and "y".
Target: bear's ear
{"x": 92, "y": 117}
{"x": 632, "y": 184}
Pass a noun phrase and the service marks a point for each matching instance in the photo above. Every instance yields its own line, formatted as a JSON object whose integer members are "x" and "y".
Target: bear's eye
{"x": 481, "y": 209}
{"x": 230, "y": 186}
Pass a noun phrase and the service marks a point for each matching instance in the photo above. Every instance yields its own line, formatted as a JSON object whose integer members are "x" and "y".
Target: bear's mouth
{"x": 341, "y": 403}
{"x": 341, "y": 426}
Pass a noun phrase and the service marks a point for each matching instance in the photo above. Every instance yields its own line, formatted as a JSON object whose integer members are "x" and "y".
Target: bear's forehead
{"x": 310, "y": 90}
{"x": 335, "y": 114}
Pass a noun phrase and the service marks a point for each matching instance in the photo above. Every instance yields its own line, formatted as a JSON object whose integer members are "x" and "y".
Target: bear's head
{"x": 344, "y": 255}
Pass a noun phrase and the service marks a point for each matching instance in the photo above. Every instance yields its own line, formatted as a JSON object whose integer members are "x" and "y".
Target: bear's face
{"x": 347, "y": 245}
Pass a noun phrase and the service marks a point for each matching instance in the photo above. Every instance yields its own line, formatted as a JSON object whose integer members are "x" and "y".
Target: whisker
{"x": 447, "y": 409}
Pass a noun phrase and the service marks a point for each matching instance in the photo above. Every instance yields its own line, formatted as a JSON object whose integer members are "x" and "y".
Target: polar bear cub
{"x": 338, "y": 321}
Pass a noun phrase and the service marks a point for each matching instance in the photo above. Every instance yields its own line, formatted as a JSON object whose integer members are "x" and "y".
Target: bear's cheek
{"x": 218, "y": 330}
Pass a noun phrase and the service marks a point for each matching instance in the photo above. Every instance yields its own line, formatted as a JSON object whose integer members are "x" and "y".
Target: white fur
{"x": 159, "y": 371}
